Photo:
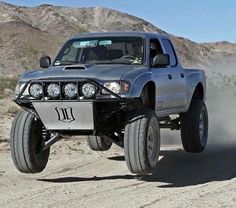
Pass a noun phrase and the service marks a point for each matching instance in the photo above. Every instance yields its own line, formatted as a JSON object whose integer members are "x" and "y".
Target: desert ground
{"x": 78, "y": 177}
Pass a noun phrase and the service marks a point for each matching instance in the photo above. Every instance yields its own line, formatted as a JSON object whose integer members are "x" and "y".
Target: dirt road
{"x": 77, "y": 177}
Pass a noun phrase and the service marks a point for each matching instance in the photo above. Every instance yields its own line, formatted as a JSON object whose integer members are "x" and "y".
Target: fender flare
{"x": 139, "y": 84}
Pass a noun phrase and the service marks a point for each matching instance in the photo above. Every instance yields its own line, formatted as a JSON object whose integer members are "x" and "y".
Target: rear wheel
{"x": 142, "y": 142}
{"x": 194, "y": 127}
{"x": 26, "y": 142}
{"x": 97, "y": 143}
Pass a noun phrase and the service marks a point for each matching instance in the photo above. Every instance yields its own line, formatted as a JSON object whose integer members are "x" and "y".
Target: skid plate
{"x": 66, "y": 115}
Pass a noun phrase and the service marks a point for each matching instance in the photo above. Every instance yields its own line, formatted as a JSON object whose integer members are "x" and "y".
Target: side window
{"x": 170, "y": 50}
{"x": 155, "y": 48}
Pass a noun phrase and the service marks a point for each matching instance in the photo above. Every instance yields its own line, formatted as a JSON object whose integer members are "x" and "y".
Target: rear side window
{"x": 170, "y": 50}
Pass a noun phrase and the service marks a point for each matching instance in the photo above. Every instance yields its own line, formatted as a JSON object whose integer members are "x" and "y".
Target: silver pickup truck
{"x": 120, "y": 88}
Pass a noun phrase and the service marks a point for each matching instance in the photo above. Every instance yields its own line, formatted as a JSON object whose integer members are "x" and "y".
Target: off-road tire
{"x": 194, "y": 127}
{"x": 142, "y": 142}
{"x": 26, "y": 142}
{"x": 97, "y": 143}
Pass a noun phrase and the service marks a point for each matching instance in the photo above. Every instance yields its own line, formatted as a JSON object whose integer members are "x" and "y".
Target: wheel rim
{"x": 202, "y": 128}
{"x": 152, "y": 146}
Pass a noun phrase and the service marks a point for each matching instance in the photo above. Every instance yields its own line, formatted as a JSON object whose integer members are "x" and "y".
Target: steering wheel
{"x": 128, "y": 57}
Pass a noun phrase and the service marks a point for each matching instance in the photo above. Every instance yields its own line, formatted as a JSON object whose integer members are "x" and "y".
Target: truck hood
{"x": 98, "y": 72}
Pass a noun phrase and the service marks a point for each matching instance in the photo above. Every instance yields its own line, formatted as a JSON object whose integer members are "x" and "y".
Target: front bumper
{"x": 24, "y": 98}
{"x": 101, "y": 113}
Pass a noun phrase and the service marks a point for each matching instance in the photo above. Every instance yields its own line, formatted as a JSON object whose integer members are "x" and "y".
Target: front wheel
{"x": 26, "y": 143}
{"x": 142, "y": 142}
{"x": 194, "y": 127}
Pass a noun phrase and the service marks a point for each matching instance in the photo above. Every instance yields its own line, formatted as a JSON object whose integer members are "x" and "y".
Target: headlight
{"x": 19, "y": 88}
{"x": 53, "y": 90}
{"x": 36, "y": 90}
{"x": 88, "y": 90}
{"x": 113, "y": 86}
{"x": 119, "y": 87}
{"x": 70, "y": 90}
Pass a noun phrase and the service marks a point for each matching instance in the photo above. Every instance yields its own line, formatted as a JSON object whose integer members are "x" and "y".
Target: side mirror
{"x": 161, "y": 60}
{"x": 45, "y": 62}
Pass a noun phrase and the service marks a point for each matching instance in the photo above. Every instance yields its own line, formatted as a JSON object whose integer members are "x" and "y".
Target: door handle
{"x": 170, "y": 76}
{"x": 182, "y": 75}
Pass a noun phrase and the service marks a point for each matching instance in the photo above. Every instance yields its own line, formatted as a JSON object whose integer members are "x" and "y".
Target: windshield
{"x": 112, "y": 50}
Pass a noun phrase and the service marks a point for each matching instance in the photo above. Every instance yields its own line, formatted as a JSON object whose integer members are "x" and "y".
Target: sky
{"x": 198, "y": 20}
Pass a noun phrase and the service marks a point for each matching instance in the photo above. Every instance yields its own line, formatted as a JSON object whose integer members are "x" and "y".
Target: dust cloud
{"x": 222, "y": 112}
{"x": 221, "y": 104}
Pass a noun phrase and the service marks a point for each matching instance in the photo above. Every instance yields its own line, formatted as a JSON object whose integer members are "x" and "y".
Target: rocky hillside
{"x": 28, "y": 33}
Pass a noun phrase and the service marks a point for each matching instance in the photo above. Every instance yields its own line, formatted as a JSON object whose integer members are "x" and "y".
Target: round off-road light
{"x": 70, "y": 90}
{"x": 113, "y": 86}
{"x": 88, "y": 90}
{"x": 36, "y": 90}
{"x": 53, "y": 90}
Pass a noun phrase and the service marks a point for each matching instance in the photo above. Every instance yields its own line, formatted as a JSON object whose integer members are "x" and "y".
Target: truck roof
{"x": 118, "y": 34}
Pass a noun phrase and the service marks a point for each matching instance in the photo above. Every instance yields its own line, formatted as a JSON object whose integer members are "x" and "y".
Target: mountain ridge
{"x": 27, "y": 33}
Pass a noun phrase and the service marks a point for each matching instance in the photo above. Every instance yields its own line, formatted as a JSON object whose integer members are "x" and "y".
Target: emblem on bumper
{"x": 65, "y": 114}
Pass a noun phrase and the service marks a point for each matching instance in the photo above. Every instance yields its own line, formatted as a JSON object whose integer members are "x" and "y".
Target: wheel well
{"x": 198, "y": 92}
{"x": 148, "y": 95}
